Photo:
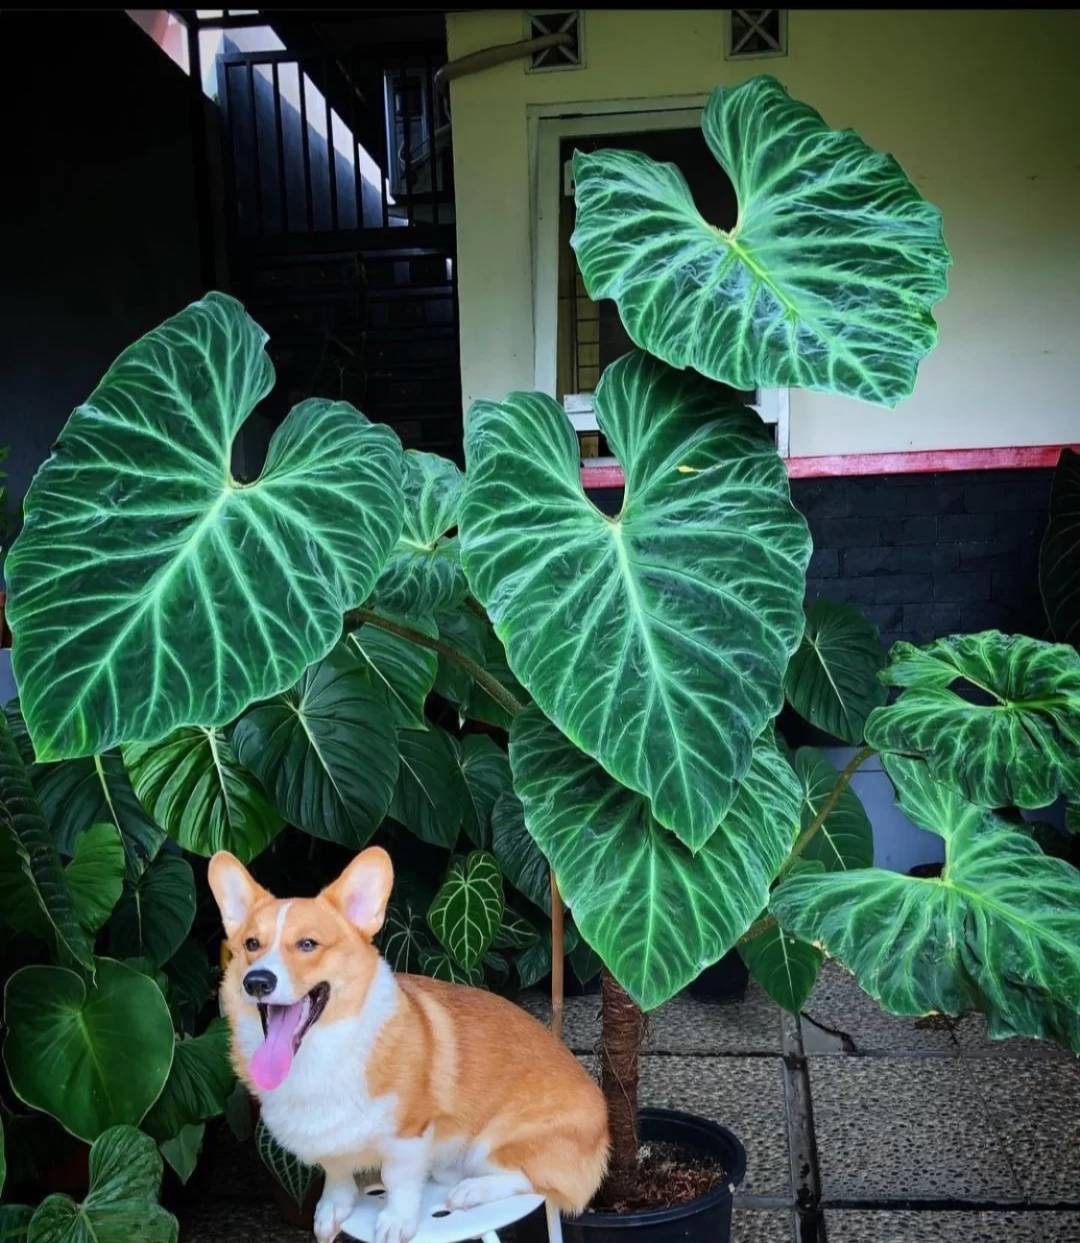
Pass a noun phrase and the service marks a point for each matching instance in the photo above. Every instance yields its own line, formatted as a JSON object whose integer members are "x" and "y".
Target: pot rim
{"x": 675, "y": 1212}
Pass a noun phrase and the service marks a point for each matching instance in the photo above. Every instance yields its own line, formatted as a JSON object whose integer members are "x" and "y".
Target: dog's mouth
{"x": 284, "y": 1028}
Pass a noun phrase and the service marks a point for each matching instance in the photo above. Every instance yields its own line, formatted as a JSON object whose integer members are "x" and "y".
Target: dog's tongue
{"x": 274, "y": 1056}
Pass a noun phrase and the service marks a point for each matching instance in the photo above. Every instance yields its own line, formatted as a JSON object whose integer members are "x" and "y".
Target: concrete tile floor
{"x": 985, "y": 1135}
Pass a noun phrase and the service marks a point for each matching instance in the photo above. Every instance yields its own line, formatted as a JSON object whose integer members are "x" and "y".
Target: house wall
{"x": 980, "y": 109}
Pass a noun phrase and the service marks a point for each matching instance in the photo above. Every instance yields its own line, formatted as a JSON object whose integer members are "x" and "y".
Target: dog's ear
{"x": 234, "y": 890}
{"x": 362, "y": 891}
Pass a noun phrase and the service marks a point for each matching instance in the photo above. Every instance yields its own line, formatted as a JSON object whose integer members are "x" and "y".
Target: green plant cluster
{"x": 501, "y": 683}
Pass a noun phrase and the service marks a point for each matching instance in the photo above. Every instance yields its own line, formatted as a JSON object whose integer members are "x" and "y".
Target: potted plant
{"x": 319, "y": 648}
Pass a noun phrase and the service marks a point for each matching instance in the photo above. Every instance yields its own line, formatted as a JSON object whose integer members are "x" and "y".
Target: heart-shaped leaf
{"x": 430, "y": 797}
{"x": 999, "y": 931}
{"x": 440, "y": 966}
{"x": 521, "y": 860}
{"x": 1020, "y": 747}
{"x": 96, "y": 789}
{"x": 655, "y": 913}
{"x": 1059, "y": 555}
{"x": 832, "y": 680}
{"x": 826, "y": 281}
{"x": 404, "y": 939}
{"x": 656, "y": 641}
{"x": 485, "y": 770}
{"x": 156, "y": 911}
{"x": 198, "y": 1086}
{"x": 326, "y": 750}
{"x": 515, "y": 932}
{"x": 405, "y": 669}
{"x": 30, "y": 848}
{"x": 293, "y": 1176}
{"x": 467, "y": 910}
{"x": 785, "y": 967}
{"x": 207, "y": 801}
{"x": 121, "y": 1205}
{"x": 92, "y": 1055}
{"x": 95, "y": 876}
{"x": 423, "y": 572}
{"x": 150, "y": 590}
{"x": 845, "y": 838}
{"x": 182, "y": 1151}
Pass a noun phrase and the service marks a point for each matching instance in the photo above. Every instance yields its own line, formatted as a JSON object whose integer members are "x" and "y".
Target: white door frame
{"x": 548, "y": 126}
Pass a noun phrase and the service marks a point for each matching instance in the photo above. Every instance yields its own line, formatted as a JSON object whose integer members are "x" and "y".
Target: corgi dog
{"x": 356, "y": 1068}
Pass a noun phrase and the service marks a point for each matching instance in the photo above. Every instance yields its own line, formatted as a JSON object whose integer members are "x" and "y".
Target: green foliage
{"x": 656, "y": 641}
{"x": 832, "y": 679}
{"x": 156, "y": 911}
{"x": 199, "y": 1084}
{"x": 826, "y": 281}
{"x": 844, "y": 839}
{"x": 121, "y": 1205}
{"x": 406, "y": 670}
{"x": 1021, "y": 748}
{"x": 292, "y": 1175}
{"x": 95, "y": 876}
{"x": 785, "y": 967}
{"x": 1059, "y": 554}
{"x": 430, "y": 798}
{"x": 467, "y": 911}
{"x": 485, "y": 771}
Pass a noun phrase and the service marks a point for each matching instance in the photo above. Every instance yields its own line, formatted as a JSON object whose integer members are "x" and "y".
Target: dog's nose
{"x": 260, "y": 983}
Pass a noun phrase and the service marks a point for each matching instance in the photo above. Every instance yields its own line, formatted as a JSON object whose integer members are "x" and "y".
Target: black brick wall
{"x": 925, "y": 555}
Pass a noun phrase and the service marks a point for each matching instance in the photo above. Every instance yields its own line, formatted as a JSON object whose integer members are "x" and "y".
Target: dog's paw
{"x": 332, "y": 1211}
{"x": 393, "y": 1225}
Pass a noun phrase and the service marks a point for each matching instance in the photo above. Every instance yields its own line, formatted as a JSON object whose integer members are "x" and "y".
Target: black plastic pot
{"x": 724, "y": 981}
{"x": 704, "y": 1220}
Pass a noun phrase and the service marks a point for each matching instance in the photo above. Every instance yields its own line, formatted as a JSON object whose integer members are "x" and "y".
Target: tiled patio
{"x": 916, "y": 1130}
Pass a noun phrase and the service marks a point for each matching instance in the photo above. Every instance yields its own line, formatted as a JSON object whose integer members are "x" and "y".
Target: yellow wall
{"x": 981, "y": 108}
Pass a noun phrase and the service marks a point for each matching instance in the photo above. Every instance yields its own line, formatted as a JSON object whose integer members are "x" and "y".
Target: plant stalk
{"x": 477, "y": 672}
{"x": 622, "y": 1027}
{"x": 558, "y": 953}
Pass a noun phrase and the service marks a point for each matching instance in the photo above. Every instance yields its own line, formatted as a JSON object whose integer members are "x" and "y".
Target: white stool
{"x": 439, "y": 1225}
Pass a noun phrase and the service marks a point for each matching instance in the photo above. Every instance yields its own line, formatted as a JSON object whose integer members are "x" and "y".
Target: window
{"x": 756, "y": 32}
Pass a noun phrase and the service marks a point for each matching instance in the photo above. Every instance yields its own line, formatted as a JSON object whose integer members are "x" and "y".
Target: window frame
{"x": 549, "y": 125}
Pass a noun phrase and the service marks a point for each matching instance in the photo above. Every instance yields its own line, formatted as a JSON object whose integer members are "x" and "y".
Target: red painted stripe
{"x": 1017, "y": 457}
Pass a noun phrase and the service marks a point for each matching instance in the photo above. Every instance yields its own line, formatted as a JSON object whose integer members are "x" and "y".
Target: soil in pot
{"x": 670, "y": 1173}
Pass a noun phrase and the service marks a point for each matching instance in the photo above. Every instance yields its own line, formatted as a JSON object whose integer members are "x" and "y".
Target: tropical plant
{"x": 342, "y": 645}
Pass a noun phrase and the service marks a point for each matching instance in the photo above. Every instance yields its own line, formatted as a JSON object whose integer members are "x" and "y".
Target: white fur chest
{"x": 323, "y": 1108}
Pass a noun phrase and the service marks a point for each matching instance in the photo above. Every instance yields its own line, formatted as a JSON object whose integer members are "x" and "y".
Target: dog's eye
{"x": 307, "y": 945}
{"x": 251, "y": 944}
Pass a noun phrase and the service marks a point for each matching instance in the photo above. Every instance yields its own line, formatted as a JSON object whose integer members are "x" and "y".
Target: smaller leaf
{"x": 182, "y": 1152}
{"x": 404, "y": 939}
{"x": 496, "y": 966}
{"x": 156, "y": 911}
{"x": 585, "y": 962}
{"x": 191, "y": 979}
{"x": 515, "y": 932}
{"x": 198, "y": 1085}
{"x": 832, "y": 679}
{"x": 293, "y": 1176}
{"x": 440, "y": 966}
{"x": 467, "y": 910}
{"x": 485, "y": 769}
{"x": 406, "y": 670}
{"x": 520, "y": 859}
{"x": 785, "y": 967}
{"x": 95, "y": 876}
{"x": 430, "y": 796}
{"x": 15, "y": 1222}
{"x": 845, "y": 838}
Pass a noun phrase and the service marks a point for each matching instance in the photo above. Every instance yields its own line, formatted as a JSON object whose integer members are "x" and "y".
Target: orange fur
{"x": 464, "y": 1063}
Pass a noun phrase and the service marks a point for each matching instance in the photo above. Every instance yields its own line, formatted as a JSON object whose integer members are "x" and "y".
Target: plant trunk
{"x": 622, "y": 1029}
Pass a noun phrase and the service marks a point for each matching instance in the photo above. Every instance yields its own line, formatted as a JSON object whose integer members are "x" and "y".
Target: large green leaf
{"x": 326, "y": 750}
{"x": 198, "y": 1086}
{"x": 97, "y": 790}
{"x": 95, "y": 876}
{"x": 655, "y": 913}
{"x": 30, "y": 848}
{"x": 785, "y": 967}
{"x": 832, "y": 680}
{"x": 182, "y": 1151}
{"x": 845, "y": 838}
{"x": 485, "y": 769}
{"x": 156, "y": 911}
{"x": 148, "y": 589}
{"x": 467, "y": 910}
{"x": 430, "y": 797}
{"x": 207, "y": 801}
{"x": 405, "y": 669}
{"x": 294, "y": 1177}
{"x": 121, "y": 1205}
{"x": 657, "y": 640}
{"x": 1059, "y": 555}
{"x": 999, "y": 931}
{"x": 826, "y": 281}
{"x": 1021, "y": 747}
{"x": 92, "y": 1055}
{"x": 521, "y": 860}
{"x": 423, "y": 572}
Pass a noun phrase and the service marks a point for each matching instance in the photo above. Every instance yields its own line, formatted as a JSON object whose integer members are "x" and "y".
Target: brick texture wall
{"x": 925, "y": 555}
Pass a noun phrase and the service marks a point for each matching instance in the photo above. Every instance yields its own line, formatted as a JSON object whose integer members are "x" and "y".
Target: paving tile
{"x": 907, "y": 1128}
{"x": 752, "y": 1225}
{"x": 1035, "y": 1106}
{"x": 683, "y": 1025}
{"x": 891, "y": 1226}
{"x": 744, "y": 1094}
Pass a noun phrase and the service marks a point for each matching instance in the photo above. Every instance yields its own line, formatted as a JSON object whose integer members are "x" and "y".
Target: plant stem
{"x": 622, "y": 1029}
{"x": 477, "y": 672}
{"x": 849, "y": 771}
{"x": 558, "y": 952}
